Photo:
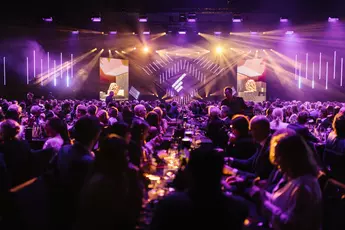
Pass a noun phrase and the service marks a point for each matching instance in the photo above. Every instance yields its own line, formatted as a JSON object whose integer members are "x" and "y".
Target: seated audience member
{"x": 173, "y": 111}
{"x": 111, "y": 199}
{"x": 152, "y": 119}
{"x": 73, "y": 164}
{"x": 241, "y": 144}
{"x": 162, "y": 121}
{"x": 203, "y": 205}
{"x": 139, "y": 113}
{"x": 16, "y": 154}
{"x": 113, "y": 113}
{"x": 57, "y": 132}
{"x": 121, "y": 129}
{"x": 224, "y": 115}
{"x": 259, "y": 164}
{"x": 92, "y": 110}
{"x": 215, "y": 128}
{"x": 297, "y": 204}
{"x": 334, "y": 155}
{"x": 278, "y": 116}
{"x": 301, "y": 128}
{"x": 103, "y": 117}
{"x": 325, "y": 120}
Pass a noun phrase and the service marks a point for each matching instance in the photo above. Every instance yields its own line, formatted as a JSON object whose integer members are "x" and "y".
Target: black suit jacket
{"x": 216, "y": 132}
{"x": 236, "y": 105}
{"x": 258, "y": 165}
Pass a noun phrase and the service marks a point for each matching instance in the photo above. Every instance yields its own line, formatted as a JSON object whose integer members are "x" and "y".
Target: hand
{"x": 232, "y": 180}
{"x": 260, "y": 183}
{"x": 227, "y": 170}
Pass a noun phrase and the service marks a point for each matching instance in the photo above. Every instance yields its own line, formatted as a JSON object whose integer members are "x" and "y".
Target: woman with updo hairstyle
{"x": 278, "y": 117}
{"x": 16, "y": 153}
{"x": 56, "y": 130}
{"x": 298, "y": 204}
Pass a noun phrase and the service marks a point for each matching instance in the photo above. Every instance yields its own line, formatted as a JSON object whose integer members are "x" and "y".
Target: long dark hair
{"x": 61, "y": 128}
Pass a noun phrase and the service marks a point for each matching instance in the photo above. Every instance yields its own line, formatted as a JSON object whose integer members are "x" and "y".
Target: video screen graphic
{"x": 250, "y": 79}
{"x": 114, "y": 75}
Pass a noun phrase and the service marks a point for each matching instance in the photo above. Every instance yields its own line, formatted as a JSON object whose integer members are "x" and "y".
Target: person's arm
{"x": 301, "y": 211}
{"x": 245, "y": 165}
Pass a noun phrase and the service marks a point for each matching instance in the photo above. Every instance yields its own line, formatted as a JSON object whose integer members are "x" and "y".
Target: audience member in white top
{"x": 298, "y": 204}
{"x": 278, "y": 116}
{"x": 56, "y": 130}
{"x": 113, "y": 112}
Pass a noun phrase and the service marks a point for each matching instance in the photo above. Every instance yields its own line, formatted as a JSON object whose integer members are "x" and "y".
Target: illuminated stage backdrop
{"x": 251, "y": 84}
{"x": 114, "y": 77}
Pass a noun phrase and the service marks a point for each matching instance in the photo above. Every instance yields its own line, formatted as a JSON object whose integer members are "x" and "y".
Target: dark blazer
{"x": 216, "y": 132}
{"x": 303, "y": 131}
{"x": 236, "y": 105}
{"x": 242, "y": 148}
{"x": 258, "y": 165}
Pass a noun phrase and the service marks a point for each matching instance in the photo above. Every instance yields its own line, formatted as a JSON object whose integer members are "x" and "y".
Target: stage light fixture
{"x": 75, "y": 32}
{"x": 217, "y": 33}
{"x": 182, "y": 32}
{"x": 283, "y": 19}
{"x": 253, "y": 32}
{"x": 47, "y": 19}
{"x": 199, "y": 33}
{"x": 219, "y": 50}
{"x": 146, "y": 49}
{"x": 143, "y": 18}
{"x": 164, "y": 33}
{"x": 96, "y": 19}
{"x": 146, "y": 33}
{"x": 112, "y": 32}
{"x": 237, "y": 19}
{"x": 333, "y": 19}
{"x": 289, "y": 32}
{"x": 191, "y": 17}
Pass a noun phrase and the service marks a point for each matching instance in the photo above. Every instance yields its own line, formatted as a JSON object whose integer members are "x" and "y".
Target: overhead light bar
{"x": 143, "y": 18}
{"x": 146, "y": 33}
{"x": 75, "y": 32}
{"x": 112, "y": 32}
{"x": 253, "y": 33}
{"x": 182, "y": 32}
{"x": 284, "y": 20}
{"x": 217, "y": 33}
{"x": 237, "y": 19}
{"x": 48, "y": 19}
{"x": 96, "y": 19}
{"x": 331, "y": 19}
{"x": 289, "y": 32}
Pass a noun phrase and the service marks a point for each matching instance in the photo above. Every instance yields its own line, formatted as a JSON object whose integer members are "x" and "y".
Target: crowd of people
{"x": 264, "y": 166}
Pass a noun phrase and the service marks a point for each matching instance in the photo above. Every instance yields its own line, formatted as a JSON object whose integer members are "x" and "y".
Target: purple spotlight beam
{"x": 4, "y": 70}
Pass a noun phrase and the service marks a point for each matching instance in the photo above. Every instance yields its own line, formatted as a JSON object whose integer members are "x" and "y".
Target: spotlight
{"x": 109, "y": 51}
{"x": 113, "y": 32}
{"x": 142, "y": 18}
{"x": 182, "y": 32}
{"x": 146, "y": 49}
{"x": 237, "y": 19}
{"x": 253, "y": 32}
{"x": 333, "y": 19}
{"x": 47, "y": 19}
{"x": 217, "y": 33}
{"x": 146, "y": 33}
{"x": 75, "y": 32}
{"x": 219, "y": 50}
{"x": 164, "y": 33}
{"x": 199, "y": 33}
{"x": 134, "y": 48}
{"x": 133, "y": 33}
{"x": 191, "y": 17}
{"x": 96, "y": 19}
{"x": 289, "y": 32}
{"x": 102, "y": 50}
{"x": 93, "y": 50}
{"x": 283, "y": 19}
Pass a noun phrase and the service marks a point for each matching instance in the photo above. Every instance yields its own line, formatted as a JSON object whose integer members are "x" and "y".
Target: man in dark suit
{"x": 259, "y": 164}
{"x": 235, "y": 104}
{"x": 109, "y": 98}
{"x": 301, "y": 129}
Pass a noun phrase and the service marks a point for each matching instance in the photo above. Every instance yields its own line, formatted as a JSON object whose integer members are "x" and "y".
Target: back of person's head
{"x": 213, "y": 111}
{"x": 225, "y": 111}
{"x": 205, "y": 167}
{"x": 339, "y": 125}
{"x": 323, "y": 112}
{"x": 293, "y": 119}
{"x": 12, "y": 114}
{"x": 240, "y": 123}
{"x": 112, "y": 157}
{"x": 292, "y": 155}
{"x": 153, "y": 119}
{"x": 278, "y": 115}
{"x": 103, "y": 115}
{"x": 260, "y": 127}
{"x": 87, "y": 129}
{"x": 81, "y": 110}
{"x": 119, "y": 128}
{"x": 303, "y": 117}
{"x": 60, "y": 127}
{"x": 9, "y": 129}
{"x": 113, "y": 112}
{"x": 92, "y": 110}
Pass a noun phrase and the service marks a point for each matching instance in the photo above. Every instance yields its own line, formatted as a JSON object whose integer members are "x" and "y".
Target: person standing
{"x": 236, "y": 104}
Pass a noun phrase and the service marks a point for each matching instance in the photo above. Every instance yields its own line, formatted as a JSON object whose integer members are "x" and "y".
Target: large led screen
{"x": 114, "y": 75}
